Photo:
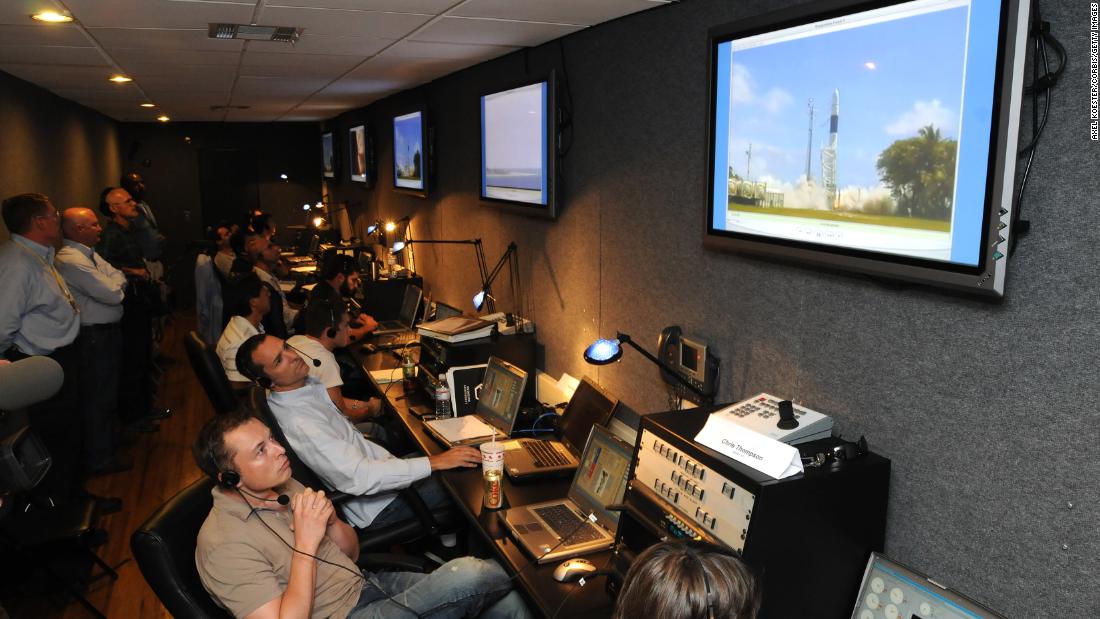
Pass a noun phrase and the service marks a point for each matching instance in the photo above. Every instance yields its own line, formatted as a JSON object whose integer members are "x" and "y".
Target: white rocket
{"x": 828, "y": 155}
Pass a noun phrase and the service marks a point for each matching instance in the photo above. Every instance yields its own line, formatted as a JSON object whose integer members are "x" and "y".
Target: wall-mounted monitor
{"x": 518, "y": 153}
{"x": 411, "y": 153}
{"x": 359, "y": 155}
{"x": 876, "y": 137}
{"x": 328, "y": 159}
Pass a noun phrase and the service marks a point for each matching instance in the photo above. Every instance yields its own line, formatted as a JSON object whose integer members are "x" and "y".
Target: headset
{"x": 265, "y": 382}
{"x": 333, "y": 328}
{"x": 696, "y": 548}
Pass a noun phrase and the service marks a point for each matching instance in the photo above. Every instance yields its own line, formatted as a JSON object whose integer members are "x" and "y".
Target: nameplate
{"x": 767, "y": 455}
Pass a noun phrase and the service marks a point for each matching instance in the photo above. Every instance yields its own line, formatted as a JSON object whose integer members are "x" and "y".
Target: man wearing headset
{"x": 334, "y": 449}
{"x": 271, "y": 548}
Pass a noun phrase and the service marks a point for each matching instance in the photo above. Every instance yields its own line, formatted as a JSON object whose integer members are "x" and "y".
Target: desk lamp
{"x": 603, "y": 352}
{"x": 484, "y": 296}
{"x": 479, "y": 253}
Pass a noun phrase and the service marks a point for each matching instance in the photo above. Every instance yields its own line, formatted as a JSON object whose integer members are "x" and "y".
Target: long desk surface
{"x": 545, "y": 595}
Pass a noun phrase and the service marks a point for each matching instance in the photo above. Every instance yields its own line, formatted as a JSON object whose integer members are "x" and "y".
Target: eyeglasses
{"x": 50, "y": 213}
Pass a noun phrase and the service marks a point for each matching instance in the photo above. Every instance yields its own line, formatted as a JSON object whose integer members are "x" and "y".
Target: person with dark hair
{"x": 223, "y": 252}
{"x": 264, "y": 256}
{"x": 120, "y": 246}
{"x": 248, "y": 302}
{"x": 339, "y": 281}
{"x": 99, "y": 289}
{"x": 38, "y": 316}
{"x": 263, "y": 224}
{"x": 335, "y": 449}
{"x": 326, "y": 329}
{"x": 688, "y": 580}
{"x": 248, "y": 568}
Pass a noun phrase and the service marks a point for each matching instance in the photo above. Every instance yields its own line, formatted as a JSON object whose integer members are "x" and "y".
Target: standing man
{"x": 120, "y": 245}
{"x": 145, "y": 224}
{"x": 38, "y": 316}
{"x": 99, "y": 289}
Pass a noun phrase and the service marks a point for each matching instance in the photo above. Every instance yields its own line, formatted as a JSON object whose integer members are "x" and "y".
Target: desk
{"x": 535, "y": 582}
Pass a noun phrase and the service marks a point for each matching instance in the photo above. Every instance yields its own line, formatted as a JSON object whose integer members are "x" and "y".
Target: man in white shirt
{"x": 250, "y": 302}
{"x": 333, "y": 448}
{"x": 99, "y": 289}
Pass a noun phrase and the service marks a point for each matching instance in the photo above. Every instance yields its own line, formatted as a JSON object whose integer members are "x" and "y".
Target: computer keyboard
{"x": 544, "y": 454}
{"x": 565, "y": 522}
{"x": 387, "y": 342}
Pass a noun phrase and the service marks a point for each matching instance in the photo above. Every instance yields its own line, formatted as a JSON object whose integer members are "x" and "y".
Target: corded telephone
{"x": 691, "y": 359}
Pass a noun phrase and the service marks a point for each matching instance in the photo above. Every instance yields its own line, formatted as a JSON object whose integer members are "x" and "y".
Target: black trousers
{"x": 100, "y": 353}
{"x": 135, "y": 399}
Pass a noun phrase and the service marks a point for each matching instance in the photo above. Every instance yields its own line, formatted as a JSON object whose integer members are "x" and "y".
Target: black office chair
{"x": 207, "y": 366}
{"x": 426, "y": 524}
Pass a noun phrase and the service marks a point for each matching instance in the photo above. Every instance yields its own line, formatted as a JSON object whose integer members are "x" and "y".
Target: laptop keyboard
{"x": 563, "y": 521}
{"x": 544, "y": 454}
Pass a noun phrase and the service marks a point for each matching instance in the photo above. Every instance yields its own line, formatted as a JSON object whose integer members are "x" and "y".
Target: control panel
{"x": 760, "y": 414}
{"x": 716, "y": 504}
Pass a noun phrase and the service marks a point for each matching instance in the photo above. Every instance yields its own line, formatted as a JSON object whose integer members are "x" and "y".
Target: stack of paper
{"x": 456, "y": 329}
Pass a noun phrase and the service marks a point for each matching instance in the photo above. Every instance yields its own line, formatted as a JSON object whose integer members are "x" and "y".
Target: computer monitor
{"x": 360, "y": 155}
{"x": 518, "y": 147}
{"x": 410, "y": 303}
{"x": 890, "y": 589}
{"x": 876, "y": 137}
{"x": 328, "y": 158}
{"x": 411, "y": 153}
{"x": 500, "y": 394}
{"x": 589, "y": 406}
{"x": 601, "y": 478}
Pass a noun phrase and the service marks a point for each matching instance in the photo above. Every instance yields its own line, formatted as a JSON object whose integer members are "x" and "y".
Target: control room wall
{"x": 988, "y": 411}
{"x": 53, "y": 146}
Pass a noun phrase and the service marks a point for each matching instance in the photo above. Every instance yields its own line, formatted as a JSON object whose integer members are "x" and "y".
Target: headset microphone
{"x": 316, "y": 362}
{"x": 282, "y": 499}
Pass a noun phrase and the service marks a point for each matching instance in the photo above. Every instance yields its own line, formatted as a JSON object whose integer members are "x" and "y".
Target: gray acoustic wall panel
{"x": 989, "y": 412}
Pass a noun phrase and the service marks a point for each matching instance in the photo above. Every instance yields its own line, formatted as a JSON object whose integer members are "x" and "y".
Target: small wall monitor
{"x": 877, "y": 137}
{"x": 518, "y": 152}
{"x": 328, "y": 159}
{"x": 410, "y": 155}
{"x": 359, "y": 154}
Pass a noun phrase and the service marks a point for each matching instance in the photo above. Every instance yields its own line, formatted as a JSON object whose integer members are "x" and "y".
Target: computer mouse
{"x": 573, "y": 569}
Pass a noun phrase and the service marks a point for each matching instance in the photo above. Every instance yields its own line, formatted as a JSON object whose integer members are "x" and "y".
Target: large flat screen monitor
{"x": 410, "y": 155}
{"x": 518, "y": 154}
{"x": 877, "y": 137}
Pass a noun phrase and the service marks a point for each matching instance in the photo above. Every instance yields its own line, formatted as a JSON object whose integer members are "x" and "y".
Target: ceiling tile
{"x": 161, "y": 38}
{"x": 326, "y": 74}
{"x": 207, "y": 82}
{"x": 168, "y": 59}
{"x": 424, "y": 7}
{"x": 580, "y": 12}
{"x": 157, "y": 13}
{"x": 413, "y": 70}
{"x": 259, "y": 86}
{"x": 324, "y": 44}
{"x": 37, "y": 34}
{"x": 345, "y": 23}
{"x": 492, "y": 32}
{"x": 329, "y": 61}
{"x": 42, "y": 55}
{"x": 19, "y": 11}
{"x": 61, "y": 76}
{"x": 116, "y": 95}
{"x": 468, "y": 52}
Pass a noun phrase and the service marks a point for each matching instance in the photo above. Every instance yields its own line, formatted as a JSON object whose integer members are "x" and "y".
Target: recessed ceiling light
{"x": 52, "y": 17}
{"x": 148, "y": 105}
{"x": 121, "y": 79}
{"x": 162, "y": 118}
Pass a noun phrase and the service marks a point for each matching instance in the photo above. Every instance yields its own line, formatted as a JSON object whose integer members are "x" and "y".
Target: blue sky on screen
{"x": 406, "y": 139}
{"x": 915, "y": 80}
{"x": 513, "y": 138}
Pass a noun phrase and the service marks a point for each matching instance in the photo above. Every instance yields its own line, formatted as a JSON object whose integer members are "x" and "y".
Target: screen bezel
{"x": 550, "y": 117}
{"x": 426, "y": 154}
{"x": 984, "y": 279}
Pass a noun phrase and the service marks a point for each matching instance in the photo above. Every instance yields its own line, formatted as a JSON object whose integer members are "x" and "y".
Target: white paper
{"x": 383, "y": 377}
{"x": 764, "y": 454}
{"x": 459, "y": 429}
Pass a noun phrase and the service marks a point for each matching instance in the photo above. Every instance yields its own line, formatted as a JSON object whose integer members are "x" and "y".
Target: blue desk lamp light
{"x": 604, "y": 351}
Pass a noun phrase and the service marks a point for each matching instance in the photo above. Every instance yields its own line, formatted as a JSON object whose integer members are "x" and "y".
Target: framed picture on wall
{"x": 358, "y": 154}
{"x": 328, "y": 158}
{"x": 412, "y": 153}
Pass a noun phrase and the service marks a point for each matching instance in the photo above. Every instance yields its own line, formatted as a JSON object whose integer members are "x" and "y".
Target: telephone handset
{"x": 691, "y": 359}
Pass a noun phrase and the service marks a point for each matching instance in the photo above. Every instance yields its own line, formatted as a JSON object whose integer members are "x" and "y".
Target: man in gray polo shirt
{"x": 246, "y": 562}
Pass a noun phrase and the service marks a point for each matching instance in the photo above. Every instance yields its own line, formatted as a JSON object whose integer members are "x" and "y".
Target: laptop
{"x": 893, "y": 590}
{"x": 406, "y": 318}
{"x": 498, "y": 401}
{"x": 533, "y": 458}
{"x": 561, "y": 529}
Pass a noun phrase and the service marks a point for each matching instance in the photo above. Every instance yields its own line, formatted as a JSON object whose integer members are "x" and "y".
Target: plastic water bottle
{"x": 443, "y": 398}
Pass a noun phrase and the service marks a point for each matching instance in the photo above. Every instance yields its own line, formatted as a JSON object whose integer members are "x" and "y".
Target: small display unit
{"x": 411, "y": 153}
{"x": 359, "y": 155}
{"x": 877, "y": 137}
{"x": 518, "y": 148}
{"x": 328, "y": 157}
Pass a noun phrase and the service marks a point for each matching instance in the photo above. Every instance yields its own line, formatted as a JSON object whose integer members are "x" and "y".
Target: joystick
{"x": 786, "y": 416}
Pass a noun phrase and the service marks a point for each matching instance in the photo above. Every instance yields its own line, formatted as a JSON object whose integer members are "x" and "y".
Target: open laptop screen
{"x": 501, "y": 391}
{"x": 589, "y": 406}
{"x": 409, "y": 305}
{"x": 602, "y": 475}
{"x": 898, "y": 591}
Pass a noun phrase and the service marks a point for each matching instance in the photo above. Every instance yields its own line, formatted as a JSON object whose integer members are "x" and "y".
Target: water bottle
{"x": 408, "y": 373}
{"x": 443, "y": 399}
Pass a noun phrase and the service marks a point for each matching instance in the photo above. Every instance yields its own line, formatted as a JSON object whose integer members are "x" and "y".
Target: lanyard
{"x": 56, "y": 276}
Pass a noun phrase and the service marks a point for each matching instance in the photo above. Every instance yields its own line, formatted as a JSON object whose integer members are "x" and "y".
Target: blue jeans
{"x": 465, "y": 587}
{"x": 398, "y": 510}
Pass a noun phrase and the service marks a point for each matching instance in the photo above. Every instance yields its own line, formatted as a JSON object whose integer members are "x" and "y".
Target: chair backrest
{"x": 300, "y": 471}
{"x": 207, "y": 366}
{"x": 164, "y": 548}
